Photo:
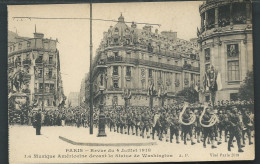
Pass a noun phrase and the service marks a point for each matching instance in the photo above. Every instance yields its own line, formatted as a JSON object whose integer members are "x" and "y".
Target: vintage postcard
{"x": 131, "y": 82}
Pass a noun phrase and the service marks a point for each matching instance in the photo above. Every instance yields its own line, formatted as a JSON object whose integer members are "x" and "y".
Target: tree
{"x": 246, "y": 90}
{"x": 190, "y": 94}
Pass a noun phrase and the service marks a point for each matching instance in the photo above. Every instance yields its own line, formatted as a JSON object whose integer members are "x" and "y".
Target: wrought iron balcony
{"x": 40, "y": 91}
{"x": 114, "y": 89}
{"x": 190, "y": 68}
{"x": 143, "y": 62}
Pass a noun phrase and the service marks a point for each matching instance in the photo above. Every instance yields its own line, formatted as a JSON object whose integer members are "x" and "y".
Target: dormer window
{"x": 115, "y": 40}
{"x": 116, "y": 29}
{"x": 28, "y": 44}
{"x": 20, "y": 46}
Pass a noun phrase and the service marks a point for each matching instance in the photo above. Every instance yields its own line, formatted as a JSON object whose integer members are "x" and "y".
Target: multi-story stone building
{"x": 130, "y": 60}
{"x": 73, "y": 99}
{"x": 34, "y": 69}
{"x": 225, "y": 41}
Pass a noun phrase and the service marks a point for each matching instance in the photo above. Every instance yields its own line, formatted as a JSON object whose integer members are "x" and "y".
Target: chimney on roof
{"x": 37, "y": 35}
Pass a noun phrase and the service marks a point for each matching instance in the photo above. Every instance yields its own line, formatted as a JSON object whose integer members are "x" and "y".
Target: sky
{"x": 73, "y": 35}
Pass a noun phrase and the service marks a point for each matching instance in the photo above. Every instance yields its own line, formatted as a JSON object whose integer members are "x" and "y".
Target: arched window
{"x": 116, "y": 29}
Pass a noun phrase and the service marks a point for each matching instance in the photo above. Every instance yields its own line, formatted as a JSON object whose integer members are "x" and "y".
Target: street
{"x": 25, "y": 146}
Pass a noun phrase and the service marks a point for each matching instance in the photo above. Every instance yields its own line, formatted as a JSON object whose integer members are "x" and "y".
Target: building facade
{"x": 225, "y": 42}
{"x": 73, "y": 99}
{"x": 34, "y": 69}
{"x": 130, "y": 62}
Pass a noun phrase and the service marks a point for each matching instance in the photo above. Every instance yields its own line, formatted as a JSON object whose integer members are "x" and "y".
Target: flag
{"x": 129, "y": 94}
{"x": 151, "y": 89}
{"x": 198, "y": 32}
{"x": 205, "y": 83}
{"x": 218, "y": 81}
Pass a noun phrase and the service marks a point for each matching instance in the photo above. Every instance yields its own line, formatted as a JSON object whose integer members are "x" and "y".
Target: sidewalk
{"x": 112, "y": 139}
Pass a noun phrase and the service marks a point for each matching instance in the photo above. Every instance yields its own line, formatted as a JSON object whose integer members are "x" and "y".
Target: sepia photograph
{"x": 131, "y": 82}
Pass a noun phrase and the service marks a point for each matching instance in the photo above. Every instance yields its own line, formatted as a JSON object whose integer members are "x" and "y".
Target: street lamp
{"x": 102, "y": 118}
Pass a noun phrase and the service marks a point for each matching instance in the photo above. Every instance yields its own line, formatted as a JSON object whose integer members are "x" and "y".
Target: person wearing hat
{"x": 111, "y": 121}
{"x": 156, "y": 124}
{"x": 234, "y": 129}
{"x": 221, "y": 124}
{"x": 198, "y": 128}
{"x": 38, "y": 122}
{"x": 130, "y": 122}
{"x": 174, "y": 126}
{"x": 137, "y": 122}
{"x": 208, "y": 131}
{"x": 187, "y": 129}
{"x": 118, "y": 121}
{"x": 145, "y": 124}
{"x": 248, "y": 124}
{"x": 163, "y": 125}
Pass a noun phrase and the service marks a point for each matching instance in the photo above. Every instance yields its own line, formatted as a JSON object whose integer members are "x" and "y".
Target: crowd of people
{"x": 180, "y": 122}
{"x": 205, "y": 123}
{"x": 58, "y": 117}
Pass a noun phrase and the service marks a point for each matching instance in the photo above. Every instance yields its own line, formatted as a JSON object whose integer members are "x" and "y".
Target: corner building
{"x": 225, "y": 41}
{"x": 34, "y": 69}
{"x": 136, "y": 59}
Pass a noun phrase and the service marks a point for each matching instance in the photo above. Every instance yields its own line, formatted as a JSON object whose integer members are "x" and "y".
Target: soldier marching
{"x": 226, "y": 122}
{"x": 207, "y": 124}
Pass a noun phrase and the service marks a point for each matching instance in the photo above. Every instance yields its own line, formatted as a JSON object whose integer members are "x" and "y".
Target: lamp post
{"x": 102, "y": 118}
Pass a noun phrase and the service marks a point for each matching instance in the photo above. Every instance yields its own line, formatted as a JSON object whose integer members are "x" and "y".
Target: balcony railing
{"x": 191, "y": 68}
{"x": 114, "y": 89}
{"x": 45, "y": 91}
{"x": 143, "y": 62}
